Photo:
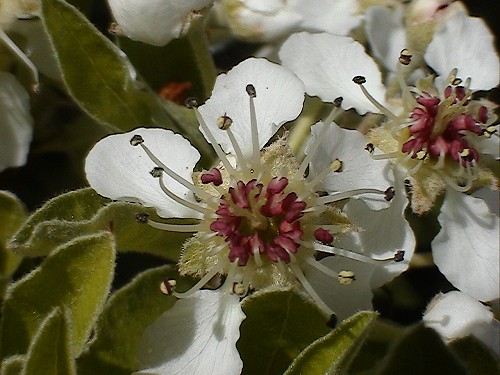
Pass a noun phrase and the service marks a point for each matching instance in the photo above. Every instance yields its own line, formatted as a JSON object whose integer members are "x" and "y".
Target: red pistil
{"x": 271, "y": 225}
{"x": 451, "y": 141}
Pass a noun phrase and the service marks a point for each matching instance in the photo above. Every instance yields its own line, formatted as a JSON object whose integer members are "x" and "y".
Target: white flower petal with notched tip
{"x": 280, "y": 96}
{"x": 337, "y": 17}
{"x": 467, "y": 44}
{"x": 156, "y": 22}
{"x": 386, "y": 35}
{"x": 327, "y": 64}
{"x": 118, "y": 170}
{"x": 359, "y": 170}
{"x": 197, "y": 336}
{"x": 466, "y": 250}
{"x": 455, "y": 315}
{"x": 16, "y": 123}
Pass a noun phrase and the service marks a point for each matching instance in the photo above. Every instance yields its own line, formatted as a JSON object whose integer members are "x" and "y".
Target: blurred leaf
{"x": 477, "y": 358}
{"x": 124, "y": 318}
{"x": 50, "y": 352}
{"x": 77, "y": 276}
{"x": 96, "y": 73}
{"x": 322, "y": 355}
{"x": 83, "y": 212}
{"x": 13, "y": 365}
{"x": 187, "y": 59}
{"x": 101, "y": 79}
{"x": 279, "y": 325}
{"x": 12, "y": 214}
{"x": 387, "y": 349}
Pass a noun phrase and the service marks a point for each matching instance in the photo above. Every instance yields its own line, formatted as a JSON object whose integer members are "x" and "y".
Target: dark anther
{"x": 191, "y": 103}
{"x": 251, "y": 91}
{"x": 142, "y": 217}
{"x": 136, "y": 140}
{"x": 156, "y": 172}
{"x": 456, "y": 82}
{"x": 399, "y": 256}
{"x": 224, "y": 122}
{"x": 389, "y": 194}
{"x": 405, "y": 57}
{"x": 370, "y": 147}
{"x": 332, "y": 322}
{"x": 359, "y": 80}
{"x": 338, "y": 101}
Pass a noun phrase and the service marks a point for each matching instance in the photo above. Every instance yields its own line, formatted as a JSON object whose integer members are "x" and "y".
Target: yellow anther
{"x": 336, "y": 165}
{"x": 346, "y": 277}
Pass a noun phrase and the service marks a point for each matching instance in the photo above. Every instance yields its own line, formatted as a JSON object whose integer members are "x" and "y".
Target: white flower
{"x": 156, "y": 22}
{"x": 270, "y": 20}
{"x": 16, "y": 123}
{"x": 455, "y": 315}
{"x": 258, "y": 219}
{"x": 439, "y": 135}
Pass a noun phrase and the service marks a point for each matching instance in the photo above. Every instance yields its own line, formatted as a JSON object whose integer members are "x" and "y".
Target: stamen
{"x": 360, "y": 80}
{"x": 416, "y": 168}
{"x": 322, "y": 268}
{"x": 308, "y": 287}
{"x": 137, "y": 140}
{"x": 355, "y": 256}
{"x": 405, "y": 57}
{"x": 215, "y": 145}
{"x": 200, "y": 284}
{"x": 252, "y": 94}
{"x": 347, "y": 194}
{"x": 22, "y": 56}
{"x": 181, "y": 228}
{"x": 167, "y": 286}
{"x": 157, "y": 172}
{"x": 305, "y": 162}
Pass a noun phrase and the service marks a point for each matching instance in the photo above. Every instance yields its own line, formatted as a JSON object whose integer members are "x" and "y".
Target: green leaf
{"x": 323, "y": 354}
{"x": 279, "y": 325}
{"x": 50, "y": 352}
{"x": 76, "y": 276}
{"x": 125, "y": 317}
{"x": 387, "y": 349}
{"x": 13, "y": 365}
{"x": 477, "y": 358}
{"x": 96, "y": 73}
{"x": 12, "y": 214}
{"x": 83, "y": 212}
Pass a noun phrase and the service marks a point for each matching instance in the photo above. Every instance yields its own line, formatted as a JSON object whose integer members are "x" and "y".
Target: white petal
{"x": 328, "y": 63}
{"x": 455, "y": 315}
{"x": 359, "y": 170}
{"x": 197, "y": 337}
{"x": 344, "y": 300}
{"x": 467, "y": 44}
{"x": 386, "y": 35}
{"x": 256, "y": 26}
{"x": 264, "y": 6}
{"x": 490, "y": 197}
{"x": 16, "y": 123}
{"x": 337, "y": 17}
{"x": 155, "y": 21}
{"x": 280, "y": 96}
{"x": 118, "y": 170}
{"x": 383, "y": 233}
{"x": 466, "y": 250}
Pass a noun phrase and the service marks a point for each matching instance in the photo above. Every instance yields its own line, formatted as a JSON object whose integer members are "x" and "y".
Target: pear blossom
{"x": 271, "y": 20}
{"x": 455, "y": 315}
{"x": 16, "y": 123}
{"x": 254, "y": 216}
{"x": 440, "y": 136}
{"x": 156, "y": 22}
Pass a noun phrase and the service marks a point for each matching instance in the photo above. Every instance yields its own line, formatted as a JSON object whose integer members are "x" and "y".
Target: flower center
{"x": 438, "y": 128}
{"x": 253, "y": 219}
